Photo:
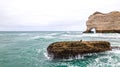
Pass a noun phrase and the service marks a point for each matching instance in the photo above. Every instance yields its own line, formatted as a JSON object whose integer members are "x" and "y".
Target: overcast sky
{"x": 51, "y": 15}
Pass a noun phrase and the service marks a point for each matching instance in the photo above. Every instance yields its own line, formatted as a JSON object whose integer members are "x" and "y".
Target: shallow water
{"x": 28, "y": 49}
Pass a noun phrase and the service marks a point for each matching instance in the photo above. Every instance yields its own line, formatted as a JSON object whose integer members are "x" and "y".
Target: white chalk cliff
{"x": 104, "y": 22}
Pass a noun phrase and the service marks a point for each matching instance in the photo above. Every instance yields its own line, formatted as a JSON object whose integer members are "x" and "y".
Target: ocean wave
{"x": 67, "y": 35}
{"x": 104, "y": 61}
{"x": 84, "y": 35}
{"x": 46, "y": 55}
{"x": 87, "y": 35}
{"x": 21, "y": 34}
{"x": 47, "y": 37}
{"x": 115, "y": 35}
{"x": 38, "y": 37}
{"x": 34, "y": 37}
{"x": 52, "y": 34}
{"x": 73, "y": 58}
{"x": 110, "y": 59}
{"x": 92, "y": 35}
{"x": 115, "y": 51}
{"x": 115, "y": 44}
{"x": 99, "y": 35}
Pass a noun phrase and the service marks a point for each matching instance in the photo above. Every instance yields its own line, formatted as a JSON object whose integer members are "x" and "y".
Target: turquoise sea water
{"x": 28, "y": 49}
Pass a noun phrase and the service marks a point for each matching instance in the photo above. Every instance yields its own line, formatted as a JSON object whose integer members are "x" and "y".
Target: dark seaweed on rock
{"x": 66, "y": 49}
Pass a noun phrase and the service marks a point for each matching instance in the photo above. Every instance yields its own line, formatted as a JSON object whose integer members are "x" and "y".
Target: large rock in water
{"x": 104, "y": 22}
{"x": 67, "y": 49}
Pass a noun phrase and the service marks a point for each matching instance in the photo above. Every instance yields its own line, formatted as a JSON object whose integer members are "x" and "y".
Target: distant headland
{"x": 104, "y": 22}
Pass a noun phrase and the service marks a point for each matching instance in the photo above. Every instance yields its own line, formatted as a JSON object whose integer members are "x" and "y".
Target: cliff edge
{"x": 104, "y": 22}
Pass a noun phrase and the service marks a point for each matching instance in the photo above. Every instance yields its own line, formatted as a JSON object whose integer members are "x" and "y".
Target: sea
{"x": 29, "y": 49}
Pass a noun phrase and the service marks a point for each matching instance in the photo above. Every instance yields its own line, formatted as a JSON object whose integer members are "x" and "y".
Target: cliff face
{"x": 104, "y": 23}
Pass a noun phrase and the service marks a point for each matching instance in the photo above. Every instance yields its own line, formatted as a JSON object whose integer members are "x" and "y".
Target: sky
{"x": 51, "y": 15}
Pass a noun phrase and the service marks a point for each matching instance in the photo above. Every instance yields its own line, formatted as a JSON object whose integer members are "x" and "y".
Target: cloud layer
{"x": 50, "y": 15}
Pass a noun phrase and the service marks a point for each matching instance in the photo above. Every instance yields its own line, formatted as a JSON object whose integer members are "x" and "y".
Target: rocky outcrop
{"x": 67, "y": 49}
{"x": 104, "y": 23}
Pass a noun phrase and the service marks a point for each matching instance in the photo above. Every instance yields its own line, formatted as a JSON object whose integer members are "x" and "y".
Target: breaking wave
{"x": 39, "y": 37}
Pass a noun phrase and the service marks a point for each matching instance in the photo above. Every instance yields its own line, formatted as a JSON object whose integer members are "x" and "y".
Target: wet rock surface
{"x": 67, "y": 49}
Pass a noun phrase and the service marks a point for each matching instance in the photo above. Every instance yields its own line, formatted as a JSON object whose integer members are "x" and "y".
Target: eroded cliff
{"x": 104, "y": 22}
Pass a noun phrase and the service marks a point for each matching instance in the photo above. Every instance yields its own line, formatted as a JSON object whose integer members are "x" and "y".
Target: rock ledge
{"x": 66, "y": 49}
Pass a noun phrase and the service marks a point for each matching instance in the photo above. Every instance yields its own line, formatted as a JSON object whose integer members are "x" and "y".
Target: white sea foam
{"x": 102, "y": 62}
{"x": 98, "y": 35}
{"x": 102, "y": 35}
{"x": 73, "y": 58}
{"x": 93, "y": 35}
{"x": 53, "y": 34}
{"x": 116, "y": 51}
{"x": 79, "y": 57}
{"x": 23, "y": 34}
{"x": 110, "y": 59}
{"x": 46, "y": 55}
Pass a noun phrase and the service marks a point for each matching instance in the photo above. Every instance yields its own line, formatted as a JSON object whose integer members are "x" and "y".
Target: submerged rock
{"x": 104, "y": 22}
{"x": 67, "y": 49}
